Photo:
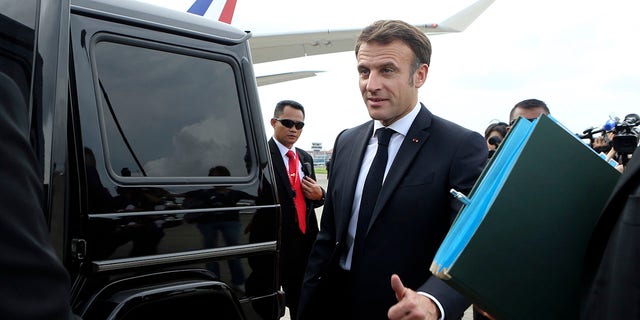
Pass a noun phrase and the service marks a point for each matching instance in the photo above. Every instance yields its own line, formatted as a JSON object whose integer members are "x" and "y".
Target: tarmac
{"x": 468, "y": 315}
{"x": 322, "y": 180}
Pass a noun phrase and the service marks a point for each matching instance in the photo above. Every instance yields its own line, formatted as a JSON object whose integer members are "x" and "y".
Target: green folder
{"x": 517, "y": 246}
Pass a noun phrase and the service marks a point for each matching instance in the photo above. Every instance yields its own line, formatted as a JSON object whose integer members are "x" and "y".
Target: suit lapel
{"x": 354, "y": 147}
{"x": 414, "y": 140}
{"x": 278, "y": 164}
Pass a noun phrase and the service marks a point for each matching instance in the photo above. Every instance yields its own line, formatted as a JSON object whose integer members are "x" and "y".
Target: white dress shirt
{"x": 285, "y": 159}
{"x": 401, "y": 128}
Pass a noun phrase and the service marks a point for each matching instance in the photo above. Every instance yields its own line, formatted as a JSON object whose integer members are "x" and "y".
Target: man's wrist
{"x": 435, "y": 301}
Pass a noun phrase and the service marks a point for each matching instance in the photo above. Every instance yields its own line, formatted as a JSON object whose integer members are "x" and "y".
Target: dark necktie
{"x": 298, "y": 198}
{"x": 372, "y": 186}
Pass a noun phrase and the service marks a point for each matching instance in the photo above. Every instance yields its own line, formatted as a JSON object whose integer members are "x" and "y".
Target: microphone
{"x": 306, "y": 168}
{"x": 590, "y": 132}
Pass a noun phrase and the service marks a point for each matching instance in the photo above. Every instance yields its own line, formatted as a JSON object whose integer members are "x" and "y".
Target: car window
{"x": 167, "y": 112}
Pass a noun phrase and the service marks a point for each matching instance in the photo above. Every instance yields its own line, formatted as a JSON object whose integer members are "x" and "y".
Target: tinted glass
{"x": 169, "y": 114}
{"x": 17, "y": 34}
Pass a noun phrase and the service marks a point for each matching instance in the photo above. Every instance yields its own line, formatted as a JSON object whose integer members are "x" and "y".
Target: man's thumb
{"x": 397, "y": 286}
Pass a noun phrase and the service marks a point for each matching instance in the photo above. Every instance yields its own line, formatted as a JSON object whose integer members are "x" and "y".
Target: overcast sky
{"x": 579, "y": 57}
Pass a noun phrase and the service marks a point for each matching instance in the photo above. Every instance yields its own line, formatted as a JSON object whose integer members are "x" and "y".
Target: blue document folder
{"x": 517, "y": 245}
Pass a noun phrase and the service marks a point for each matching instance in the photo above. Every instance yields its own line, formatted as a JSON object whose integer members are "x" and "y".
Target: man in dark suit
{"x": 33, "y": 282}
{"x": 382, "y": 272}
{"x": 611, "y": 273}
{"x": 299, "y": 195}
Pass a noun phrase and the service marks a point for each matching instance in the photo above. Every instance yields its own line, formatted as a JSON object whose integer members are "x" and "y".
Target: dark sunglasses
{"x": 290, "y": 123}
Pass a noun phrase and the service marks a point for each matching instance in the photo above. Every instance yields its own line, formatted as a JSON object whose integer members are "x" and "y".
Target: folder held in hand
{"x": 517, "y": 246}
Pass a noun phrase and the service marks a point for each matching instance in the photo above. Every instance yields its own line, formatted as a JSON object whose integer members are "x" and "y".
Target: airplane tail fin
{"x": 221, "y": 10}
{"x": 461, "y": 20}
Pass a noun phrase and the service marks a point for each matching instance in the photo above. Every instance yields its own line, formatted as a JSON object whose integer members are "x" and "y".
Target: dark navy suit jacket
{"x": 295, "y": 246}
{"x": 611, "y": 271}
{"x": 413, "y": 214}
{"x": 33, "y": 282}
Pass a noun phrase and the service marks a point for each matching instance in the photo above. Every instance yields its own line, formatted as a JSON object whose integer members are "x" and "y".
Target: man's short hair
{"x": 291, "y": 103}
{"x": 529, "y": 104}
{"x": 387, "y": 31}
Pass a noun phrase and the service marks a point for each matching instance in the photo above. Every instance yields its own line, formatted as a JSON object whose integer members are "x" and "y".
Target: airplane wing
{"x": 266, "y": 48}
{"x": 285, "y": 76}
{"x": 281, "y": 46}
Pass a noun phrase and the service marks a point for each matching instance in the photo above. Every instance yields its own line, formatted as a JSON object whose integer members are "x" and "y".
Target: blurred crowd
{"x": 615, "y": 141}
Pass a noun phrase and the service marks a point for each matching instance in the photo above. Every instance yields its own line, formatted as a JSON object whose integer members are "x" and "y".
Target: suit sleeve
{"x": 35, "y": 285}
{"x": 468, "y": 162}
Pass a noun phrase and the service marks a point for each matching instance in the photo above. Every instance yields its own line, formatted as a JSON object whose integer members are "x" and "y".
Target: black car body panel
{"x": 147, "y": 125}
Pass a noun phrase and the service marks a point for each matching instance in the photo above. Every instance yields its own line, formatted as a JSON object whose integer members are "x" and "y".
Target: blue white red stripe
{"x": 221, "y": 10}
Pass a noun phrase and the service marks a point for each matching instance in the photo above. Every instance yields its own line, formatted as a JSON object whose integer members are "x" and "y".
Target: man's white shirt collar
{"x": 401, "y": 125}
{"x": 283, "y": 149}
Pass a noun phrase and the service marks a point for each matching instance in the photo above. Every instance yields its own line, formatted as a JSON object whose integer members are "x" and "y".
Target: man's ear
{"x": 420, "y": 76}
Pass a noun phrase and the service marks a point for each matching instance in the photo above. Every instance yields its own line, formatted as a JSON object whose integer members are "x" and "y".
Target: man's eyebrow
{"x": 388, "y": 64}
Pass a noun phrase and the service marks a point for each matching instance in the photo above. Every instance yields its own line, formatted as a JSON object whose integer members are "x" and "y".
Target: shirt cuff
{"x": 435, "y": 301}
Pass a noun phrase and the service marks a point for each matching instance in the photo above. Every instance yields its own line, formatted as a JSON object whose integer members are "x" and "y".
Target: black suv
{"x": 159, "y": 194}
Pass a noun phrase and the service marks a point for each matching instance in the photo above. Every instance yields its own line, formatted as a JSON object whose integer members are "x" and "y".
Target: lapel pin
{"x": 415, "y": 140}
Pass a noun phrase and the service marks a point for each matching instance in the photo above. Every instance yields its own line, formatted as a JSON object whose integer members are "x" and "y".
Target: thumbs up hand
{"x": 411, "y": 305}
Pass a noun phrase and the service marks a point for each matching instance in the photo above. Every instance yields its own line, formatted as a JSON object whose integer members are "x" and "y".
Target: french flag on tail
{"x": 221, "y": 10}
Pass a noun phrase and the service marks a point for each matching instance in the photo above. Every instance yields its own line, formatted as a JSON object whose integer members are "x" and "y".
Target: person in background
{"x": 377, "y": 239}
{"x": 299, "y": 195}
{"x": 602, "y": 143}
{"x": 528, "y": 109}
{"x": 623, "y": 139}
{"x": 328, "y": 166}
{"x": 494, "y": 134}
